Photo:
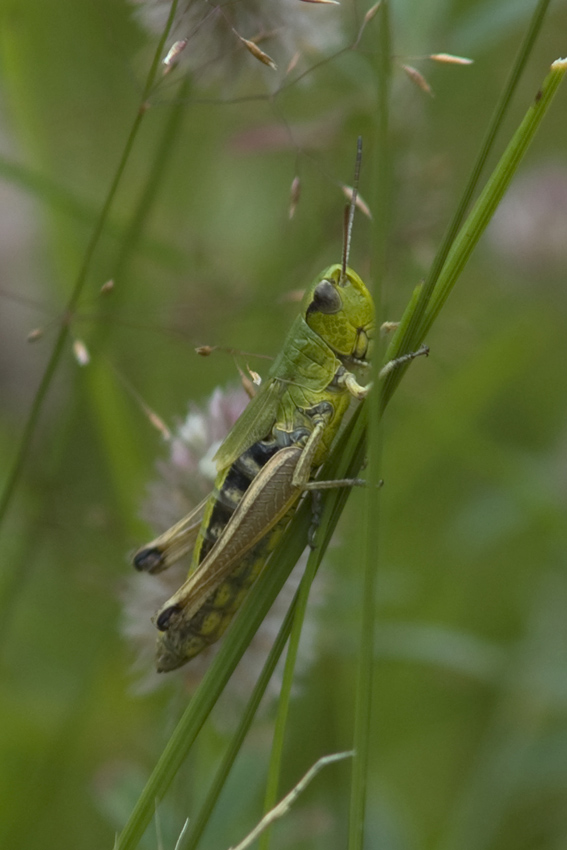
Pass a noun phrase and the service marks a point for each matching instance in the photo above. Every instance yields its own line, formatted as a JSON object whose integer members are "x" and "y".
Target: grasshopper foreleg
{"x": 302, "y": 475}
{"x": 347, "y": 379}
{"x": 423, "y": 351}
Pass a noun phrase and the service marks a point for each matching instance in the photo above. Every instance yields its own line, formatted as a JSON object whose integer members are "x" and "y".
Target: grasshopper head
{"x": 341, "y": 312}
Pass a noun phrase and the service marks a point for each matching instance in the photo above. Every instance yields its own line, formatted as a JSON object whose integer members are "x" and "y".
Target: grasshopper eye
{"x": 326, "y": 299}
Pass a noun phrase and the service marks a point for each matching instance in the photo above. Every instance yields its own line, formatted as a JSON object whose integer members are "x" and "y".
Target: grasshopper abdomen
{"x": 185, "y": 638}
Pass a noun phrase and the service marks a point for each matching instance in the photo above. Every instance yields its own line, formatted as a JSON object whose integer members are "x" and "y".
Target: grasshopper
{"x": 267, "y": 461}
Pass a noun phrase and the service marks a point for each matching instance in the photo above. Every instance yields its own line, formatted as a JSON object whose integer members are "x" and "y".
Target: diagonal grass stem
{"x": 63, "y": 334}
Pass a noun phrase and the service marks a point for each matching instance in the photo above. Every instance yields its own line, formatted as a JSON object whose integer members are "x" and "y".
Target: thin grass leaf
{"x": 412, "y": 339}
{"x": 485, "y": 22}
{"x": 369, "y": 529}
{"x": 202, "y": 819}
{"x": 285, "y": 804}
{"x": 333, "y": 502}
{"x": 344, "y": 463}
{"x": 254, "y": 609}
{"x": 276, "y": 757}
{"x": 484, "y": 210}
{"x": 419, "y": 320}
{"x": 182, "y": 834}
{"x": 492, "y": 194}
{"x": 233, "y": 647}
{"x": 117, "y": 431}
{"x": 77, "y": 289}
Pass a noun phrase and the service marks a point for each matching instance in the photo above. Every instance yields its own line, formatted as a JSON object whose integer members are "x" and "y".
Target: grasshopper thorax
{"x": 339, "y": 308}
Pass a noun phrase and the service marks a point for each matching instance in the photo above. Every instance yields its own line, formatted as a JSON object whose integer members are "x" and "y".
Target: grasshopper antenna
{"x": 349, "y": 211}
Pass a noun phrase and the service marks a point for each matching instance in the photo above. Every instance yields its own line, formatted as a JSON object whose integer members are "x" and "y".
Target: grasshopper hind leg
{"x": 185, "y": 635}
{"x": 391, "y": 365}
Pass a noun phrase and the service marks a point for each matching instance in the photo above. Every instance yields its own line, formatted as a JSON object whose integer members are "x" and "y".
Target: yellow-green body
{"x": 301, "y": 404}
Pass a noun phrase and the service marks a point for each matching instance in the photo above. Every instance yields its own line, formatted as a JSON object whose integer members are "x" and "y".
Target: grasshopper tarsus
{"x": 314, "y": 486}
{"x": 422, "y": 351}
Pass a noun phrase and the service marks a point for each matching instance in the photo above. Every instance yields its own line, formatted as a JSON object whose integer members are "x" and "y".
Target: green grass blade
{"x": 253, "y": 611}
{"x": 344, "y": 463}
{"x": 478, "y": 219}
{"x": 272, "y": 785}
{"x": 202, "y": 819}
{"x": 78, "y": 286}
{"x": 492, "y": 194}
{"x": 412, "y": 337}
{"x": 117, "y": 430}
{"x": 370, "y": 526}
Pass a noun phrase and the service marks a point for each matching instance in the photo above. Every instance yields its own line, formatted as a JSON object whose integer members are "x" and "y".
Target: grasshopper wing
{"x": 254, "y": 424}
{"x": 177, "y": 541}
{"x": 265, "y": 503}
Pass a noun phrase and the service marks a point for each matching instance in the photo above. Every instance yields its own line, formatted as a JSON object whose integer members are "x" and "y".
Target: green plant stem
{"x": 112, "y": 422}
{"x": 381, "y": 205}
{"x": 492, "y": 194}
{"x": 476, "y": 222}
{"x": 412, "y": 337}
{"x": 329, "y": 516}
{"x": 148, "y": 195}
{"x": 241, "y": 632}
{"x": 272, "y": 785}
{"x": 61, "y": 339}
{"x": 257, "y": 604}
{"x": 344, "y": 463}
{"x": 200, "y": 822}
{"x": 370, "y": 525}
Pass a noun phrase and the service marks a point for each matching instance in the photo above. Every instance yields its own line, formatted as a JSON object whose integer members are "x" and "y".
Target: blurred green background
{"x": 470, "y": 728}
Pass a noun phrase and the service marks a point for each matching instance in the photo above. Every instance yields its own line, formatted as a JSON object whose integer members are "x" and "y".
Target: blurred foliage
{"x": 471, "y": 655}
